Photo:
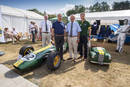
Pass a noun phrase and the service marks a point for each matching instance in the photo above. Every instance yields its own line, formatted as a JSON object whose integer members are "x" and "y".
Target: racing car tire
{"x": 53, "y": 61}
{"x": 1, "y": 53}
{"x": 24, "y": 50}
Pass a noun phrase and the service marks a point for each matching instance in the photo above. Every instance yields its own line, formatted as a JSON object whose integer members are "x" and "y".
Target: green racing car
{"x": 99, "y": 55}
{"x": 28, "y": 58}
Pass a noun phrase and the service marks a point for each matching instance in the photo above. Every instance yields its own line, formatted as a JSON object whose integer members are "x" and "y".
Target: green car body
{"x": 99, "y": 55}
{"x": 35, "y": 58}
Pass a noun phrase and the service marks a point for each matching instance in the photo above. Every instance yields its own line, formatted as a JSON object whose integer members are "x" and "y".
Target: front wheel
{"x": 53, "y": 61}
{"x": 26, "y": 50}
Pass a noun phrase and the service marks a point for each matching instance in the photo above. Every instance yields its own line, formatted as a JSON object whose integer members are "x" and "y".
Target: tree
{"x": 51, "y": 16}
{"x": 81, "y": 9}
{"x": 36, "y": 11}
{"x": 98, "y": 7}
{"x": 105, "y": 6}
{"x": 70, "y": 12}
{"x": 75, "y": 10}
{"x": 124, "y": 5}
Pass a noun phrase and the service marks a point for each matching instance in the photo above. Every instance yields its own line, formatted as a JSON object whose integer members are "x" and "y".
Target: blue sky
{"x": 51, "y": 6}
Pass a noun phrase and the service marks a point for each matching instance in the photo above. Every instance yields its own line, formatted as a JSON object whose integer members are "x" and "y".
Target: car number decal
{"x": 100, "y": 50}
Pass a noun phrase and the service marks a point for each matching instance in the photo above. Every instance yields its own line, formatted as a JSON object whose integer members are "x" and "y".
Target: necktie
{"x": 46, "y": 26}
{"x": 71, "y": 31}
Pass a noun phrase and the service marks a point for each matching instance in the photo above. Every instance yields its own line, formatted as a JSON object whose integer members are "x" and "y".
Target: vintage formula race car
{"x": 100, "y": 56}
{"x": 29, "y": 59}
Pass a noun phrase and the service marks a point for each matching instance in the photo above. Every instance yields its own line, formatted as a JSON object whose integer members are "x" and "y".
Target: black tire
{"x": 1, "y": 53}
{"x": 51, "y": 61}
{"x": 109, "y": 41}
{"x": 26, "y": 50}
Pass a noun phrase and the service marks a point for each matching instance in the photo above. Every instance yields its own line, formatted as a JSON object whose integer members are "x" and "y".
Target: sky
{"x": 51, "y": 6}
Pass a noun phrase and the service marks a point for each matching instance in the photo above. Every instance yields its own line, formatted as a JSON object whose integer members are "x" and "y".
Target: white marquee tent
{"x": 18, "y": 18}
{"x": 108, "y": 17}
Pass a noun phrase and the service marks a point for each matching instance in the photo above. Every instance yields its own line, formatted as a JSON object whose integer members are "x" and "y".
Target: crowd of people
{"x": 33, "y": 29}
{"x": 11, "y": 34}
{"x": 76, "y": 33}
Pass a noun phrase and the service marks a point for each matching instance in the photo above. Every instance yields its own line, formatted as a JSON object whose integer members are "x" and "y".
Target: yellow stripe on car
{"x": 1, "y": 31}
{"x": 42, "y": 49}
{"x": 18, "y": 63}
{"x": 100, "y": 50}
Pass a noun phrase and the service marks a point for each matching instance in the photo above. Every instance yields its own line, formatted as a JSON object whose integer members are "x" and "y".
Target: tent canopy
{"x": 5, "y": 10}
{"x": 18, "y": 18}
{"x": 109, "y": 17}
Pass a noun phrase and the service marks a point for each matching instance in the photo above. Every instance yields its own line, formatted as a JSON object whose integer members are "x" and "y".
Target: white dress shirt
{"x": 76, "y": 28}
{"x": 43, "y": 26}
{"x": 14, "y": 32}
{"x": 31, "y": 27}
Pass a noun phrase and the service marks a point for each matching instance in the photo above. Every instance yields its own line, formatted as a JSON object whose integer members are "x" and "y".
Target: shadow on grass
{"x": 43, "y": 71}
{"x": 66, "y": 66}
{"x": 11, "y": 74}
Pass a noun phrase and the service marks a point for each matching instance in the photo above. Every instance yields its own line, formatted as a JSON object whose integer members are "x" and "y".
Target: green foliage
{"x": 75, "y": 10}
{"x": 65, "y": 20}
{"x": 99, "y": 7}
{"x": 51, "y": 16}
{"x": 36, "y": 11}
{"x": 124, "y": 5}
{"x": 105, "y": 6}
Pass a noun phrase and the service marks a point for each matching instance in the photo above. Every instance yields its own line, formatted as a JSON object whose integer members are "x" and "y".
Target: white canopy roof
{"x": 19, "y": 12}
{"x": 109, "y": 15}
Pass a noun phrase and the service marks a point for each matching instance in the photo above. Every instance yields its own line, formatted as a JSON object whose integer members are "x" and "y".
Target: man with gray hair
{"x": 73, "y": 32}
{"x": 58, "y": 28}
{"x": 122, "y": 35}
{"x": 45, "y": 28}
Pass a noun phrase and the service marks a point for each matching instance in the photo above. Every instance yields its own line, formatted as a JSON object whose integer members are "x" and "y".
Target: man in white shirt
{"x": 45, "y": 28}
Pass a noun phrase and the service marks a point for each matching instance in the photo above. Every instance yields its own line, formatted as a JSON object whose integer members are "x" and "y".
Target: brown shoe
{"x": 80, "y": 57}
{"x": 84, "y": 59}
{"x": 70, "y": 58}
{"x": 74, "y": 60}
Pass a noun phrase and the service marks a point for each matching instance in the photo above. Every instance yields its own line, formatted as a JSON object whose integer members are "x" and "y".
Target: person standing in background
{"x": 45, "y": 28}
{"x": 32, "y": 30}
{"x": 122, "y": 35}
{"x": 36, "y": 31}
{"x": 58, "y": 29}
{"x": 95, "y": 28}
{"x": 73, "y": 32}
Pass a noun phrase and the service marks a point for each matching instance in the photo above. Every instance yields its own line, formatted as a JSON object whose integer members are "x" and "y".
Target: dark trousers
{"x": 83, "y": 44}
{"x": 33, "y": 36}
{"x": 59, "y": 41}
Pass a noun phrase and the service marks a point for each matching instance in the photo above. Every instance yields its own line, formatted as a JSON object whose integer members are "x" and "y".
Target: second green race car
{"x": 99, "y": 55}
